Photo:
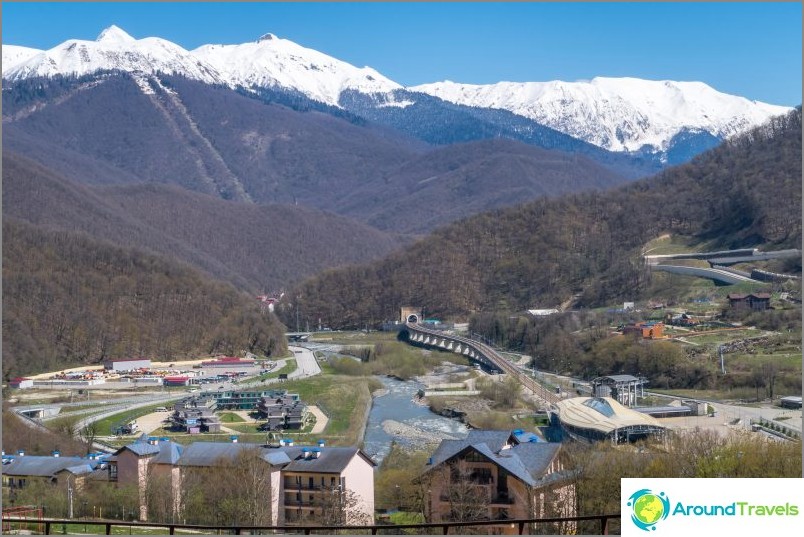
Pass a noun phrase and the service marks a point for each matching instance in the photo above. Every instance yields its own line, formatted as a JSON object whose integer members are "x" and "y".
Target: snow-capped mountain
{"x": 667, "y": 120}
{"x": 114, "y": 49}
{"x": 619, "y": 114}
{"x": 13, "y": 55}
{"x": 274, "y": 62}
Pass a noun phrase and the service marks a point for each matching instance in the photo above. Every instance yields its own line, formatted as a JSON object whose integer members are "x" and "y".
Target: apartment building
{"x": 307, "y": 483}
{"x": 498, "y": 475}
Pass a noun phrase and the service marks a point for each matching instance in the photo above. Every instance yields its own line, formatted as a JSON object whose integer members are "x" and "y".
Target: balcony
{"x": 301, "y": 504}
{"x": 502, "y": 499}
{"x": 493, "y": 498}
{"x": 293, "y": 486}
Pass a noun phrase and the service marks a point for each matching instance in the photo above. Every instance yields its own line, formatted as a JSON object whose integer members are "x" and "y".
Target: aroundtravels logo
{"x": 676, "y": 506}
{"x": 648, "y": 508}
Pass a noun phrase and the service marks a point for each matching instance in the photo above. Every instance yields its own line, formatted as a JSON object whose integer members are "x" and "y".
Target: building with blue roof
{"x": 498, "y": 475}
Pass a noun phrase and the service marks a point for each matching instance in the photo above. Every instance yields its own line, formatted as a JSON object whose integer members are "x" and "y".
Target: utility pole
{"x": 69, "y": 499}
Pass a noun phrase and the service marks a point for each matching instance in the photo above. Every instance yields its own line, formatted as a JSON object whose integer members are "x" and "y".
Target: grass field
{"x": 345, "y": 401}
{"x": 289, "y": 367}
{"x": 229, "y": 417}
{"x": 104, "y": 426}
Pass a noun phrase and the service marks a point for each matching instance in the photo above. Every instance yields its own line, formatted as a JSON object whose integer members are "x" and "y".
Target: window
{"x": 481, "y": 476}
{"x": 474, "y": 456}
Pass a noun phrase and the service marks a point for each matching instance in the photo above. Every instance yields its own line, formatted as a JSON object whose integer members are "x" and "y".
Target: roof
{"x": 738, "y": 296}
{"x": 601, "y": 414}
{"x": 617, "y": 378}
{"x": 667, "y": 409}
{"x": 140, "y": 448}
{"x": 332, "y": 460}
{"x": 524, "y": 436}
{"x": 493, "y": 440}
{"x": 543, "y": 312}
{"x": 47, "y": 466}
{"x": 526, "y": 461}
{"x": 116, "y": 360}
{"x": 169, "y": 453}
{"x": 212, "y": 453}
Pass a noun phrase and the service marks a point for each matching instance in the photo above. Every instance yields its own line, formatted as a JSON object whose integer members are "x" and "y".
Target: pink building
{"x": 305, "y": 481}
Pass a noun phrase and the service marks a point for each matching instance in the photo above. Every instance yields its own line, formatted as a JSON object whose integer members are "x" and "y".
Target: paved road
{"x": 729, "y": 412}
{"x": 306, "y": 364}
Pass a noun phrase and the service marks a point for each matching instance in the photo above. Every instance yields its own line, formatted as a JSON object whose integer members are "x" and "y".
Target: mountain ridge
{"x": 212, "y": 140}
{"x": 623, "y": 114}
{"x": 230, "y": 241}
{"x": 581, "y": 247}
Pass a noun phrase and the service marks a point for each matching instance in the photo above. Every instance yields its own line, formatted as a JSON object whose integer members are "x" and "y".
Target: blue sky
{"x": 743, "y": 48}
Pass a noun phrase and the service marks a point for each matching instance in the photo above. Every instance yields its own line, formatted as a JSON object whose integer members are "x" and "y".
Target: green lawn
{"x": 289, "y": 367}
{"x": 345, "y": 400}
{"x": 229, "y": 417}
{"x": 104, "y": 426}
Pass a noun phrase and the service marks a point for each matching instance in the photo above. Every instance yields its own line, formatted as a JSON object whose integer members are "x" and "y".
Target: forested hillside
{"x": 116, "y": 129}
{"x": 69, "y": 300}
{"x": 255, "y": 247}
{"x": 746, "y": 192}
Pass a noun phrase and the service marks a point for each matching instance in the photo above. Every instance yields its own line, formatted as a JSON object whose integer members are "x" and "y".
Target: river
{"x": 395, "y": 416}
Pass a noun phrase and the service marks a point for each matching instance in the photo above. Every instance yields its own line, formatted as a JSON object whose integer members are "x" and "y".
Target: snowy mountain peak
{"x": 114, "y": 49}
{"x": 14, "y": 55}
{"x": 114, "y": 34}
{"x": 618, "y": 114}
{"x": 275, "y": 62}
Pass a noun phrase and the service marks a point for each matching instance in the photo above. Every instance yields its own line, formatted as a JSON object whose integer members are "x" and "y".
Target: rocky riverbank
{"x": 414, "y": 435}
{"x": 445, "y": 373}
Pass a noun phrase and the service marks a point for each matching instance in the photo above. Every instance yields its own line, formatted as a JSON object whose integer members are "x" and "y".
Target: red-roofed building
{"x": 176, "y": 381}
{"x": 21, "y": 383}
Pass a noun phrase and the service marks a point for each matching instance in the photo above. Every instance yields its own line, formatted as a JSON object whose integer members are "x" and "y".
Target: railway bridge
{"x": 480, "y": 353}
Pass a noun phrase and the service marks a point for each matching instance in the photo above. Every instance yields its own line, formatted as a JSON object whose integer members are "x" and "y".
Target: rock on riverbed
{"x": 414, "y": 435}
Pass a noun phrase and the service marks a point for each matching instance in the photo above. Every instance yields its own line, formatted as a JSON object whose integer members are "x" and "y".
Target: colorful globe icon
{"x": 648, "y": 508}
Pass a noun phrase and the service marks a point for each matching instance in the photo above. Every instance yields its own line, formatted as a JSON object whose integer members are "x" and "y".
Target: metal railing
{"x": 61, "y": 525}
